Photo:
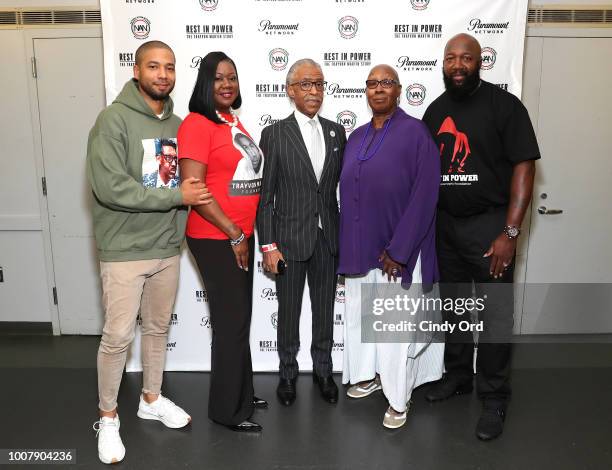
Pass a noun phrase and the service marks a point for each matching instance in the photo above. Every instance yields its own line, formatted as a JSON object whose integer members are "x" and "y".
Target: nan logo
{"x": 489, "y": 56}
{"x": 170, "y": 346}
{"x": 419, "y": 4}
{"x": 141, "y": 27}
{"x": 415, "y": 94}
{"x": 348, "y": 26}
{"x": 209, "y": 5}
{"x": 347, "y": 119}
{"x": 274, "y": 320}
{"x": 279, "y": 58}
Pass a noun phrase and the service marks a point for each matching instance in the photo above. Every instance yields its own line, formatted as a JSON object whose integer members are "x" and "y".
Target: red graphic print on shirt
{"x": 462, "y": 146}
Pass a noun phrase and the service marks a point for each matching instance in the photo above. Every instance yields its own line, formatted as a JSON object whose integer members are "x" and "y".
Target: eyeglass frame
{"x": 310, "y": 84}
{"x": 169, "y": 158}
{"x": 380, "y": 82}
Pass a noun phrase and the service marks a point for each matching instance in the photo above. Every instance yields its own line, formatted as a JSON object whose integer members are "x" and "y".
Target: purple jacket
{"x": 389, "y": 201}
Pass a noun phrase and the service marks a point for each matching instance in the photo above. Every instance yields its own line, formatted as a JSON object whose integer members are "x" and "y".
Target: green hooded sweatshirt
{"x": 133, "y": 219}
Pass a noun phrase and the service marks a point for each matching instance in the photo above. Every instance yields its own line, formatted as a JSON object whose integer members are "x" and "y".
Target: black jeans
{"x": 230, "y": 297}
{"x": 461, "y": 244}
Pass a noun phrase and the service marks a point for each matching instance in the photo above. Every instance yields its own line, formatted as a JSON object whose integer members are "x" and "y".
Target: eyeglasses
{"x": 305, "y": 85}
{"x": 385, "y": 83}
{"x": 169, "y": 158}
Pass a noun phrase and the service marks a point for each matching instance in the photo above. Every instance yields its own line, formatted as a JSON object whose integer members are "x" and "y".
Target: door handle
{"x": 544, "y": 211}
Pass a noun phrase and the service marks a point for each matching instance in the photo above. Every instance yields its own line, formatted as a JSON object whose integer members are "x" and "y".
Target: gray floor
{"x": 560, "y": 417}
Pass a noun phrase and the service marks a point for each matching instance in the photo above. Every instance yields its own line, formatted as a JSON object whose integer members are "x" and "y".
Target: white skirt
{"x": 402, "y": 366}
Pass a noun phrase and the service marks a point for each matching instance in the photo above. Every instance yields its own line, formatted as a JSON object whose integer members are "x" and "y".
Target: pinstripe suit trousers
{"x": 320, "y": 269}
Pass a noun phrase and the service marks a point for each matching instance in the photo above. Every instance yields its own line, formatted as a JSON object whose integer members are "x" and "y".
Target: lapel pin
{"x": 332, "y": 133}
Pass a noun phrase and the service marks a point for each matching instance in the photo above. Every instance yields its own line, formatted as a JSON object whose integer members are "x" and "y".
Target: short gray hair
{"x": 297, "y": 65}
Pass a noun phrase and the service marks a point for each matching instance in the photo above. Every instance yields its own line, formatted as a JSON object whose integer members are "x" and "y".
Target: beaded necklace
{"x": 234, "y": 116}
{"x": 365, "y": 155}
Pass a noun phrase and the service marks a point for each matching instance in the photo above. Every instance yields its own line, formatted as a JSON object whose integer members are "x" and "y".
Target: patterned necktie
{"x": 316, "y": 149}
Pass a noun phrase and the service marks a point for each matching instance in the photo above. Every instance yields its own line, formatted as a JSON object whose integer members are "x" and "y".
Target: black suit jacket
{"x": 291, "y": 199}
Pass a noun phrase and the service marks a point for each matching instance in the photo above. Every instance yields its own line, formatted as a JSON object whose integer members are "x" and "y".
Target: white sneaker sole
{"x": 144, "y": 415}
{"x": 363, "y": 392}
{"x": 399, "y": 424}
{"x": 111, "y": 460}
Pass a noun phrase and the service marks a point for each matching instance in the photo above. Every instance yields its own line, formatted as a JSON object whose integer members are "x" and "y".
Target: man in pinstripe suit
{"x": 298, "y": 224}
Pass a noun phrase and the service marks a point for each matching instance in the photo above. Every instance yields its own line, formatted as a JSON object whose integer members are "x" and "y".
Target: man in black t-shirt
{"x": 488, "y": 150}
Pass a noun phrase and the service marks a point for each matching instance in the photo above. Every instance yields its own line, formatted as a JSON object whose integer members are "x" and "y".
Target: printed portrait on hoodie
{"x": 160, "y": 163}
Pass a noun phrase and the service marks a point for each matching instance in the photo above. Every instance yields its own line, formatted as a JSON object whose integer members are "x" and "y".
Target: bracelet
{"x": 238, "y": 240}
{"x": 270, "y": 247}
{"x": 512, "y": 231}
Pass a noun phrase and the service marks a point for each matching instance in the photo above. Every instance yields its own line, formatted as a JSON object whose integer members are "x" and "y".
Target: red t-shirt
{"x": 233, "y": 176}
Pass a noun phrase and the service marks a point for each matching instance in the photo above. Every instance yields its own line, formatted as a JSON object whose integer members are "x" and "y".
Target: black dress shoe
{"x": 491, "y": 422}
{"x": 286, "y": 391}
{"x": 448, "y": 387}
{"x": 245, "y": 426}
{"x": 259, "y": 402}
{"x": 328, "y": 388}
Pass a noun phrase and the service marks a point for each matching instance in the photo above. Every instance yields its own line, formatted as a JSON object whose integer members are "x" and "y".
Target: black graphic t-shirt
{"x": 480, "y": 139}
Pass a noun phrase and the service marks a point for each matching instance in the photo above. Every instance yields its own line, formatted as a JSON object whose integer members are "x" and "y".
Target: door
{"x": 70, "y": 92}
{"x": 569, "y": 259}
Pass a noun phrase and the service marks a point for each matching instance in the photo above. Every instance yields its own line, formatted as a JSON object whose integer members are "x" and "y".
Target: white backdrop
{"x": 264, "y": 37}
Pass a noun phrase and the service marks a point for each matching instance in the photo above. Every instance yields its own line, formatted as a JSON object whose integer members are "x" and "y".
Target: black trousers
{"x": 230, "y": 299}
{"x": 320, "y": 269}
{"x": 461, "y": 244}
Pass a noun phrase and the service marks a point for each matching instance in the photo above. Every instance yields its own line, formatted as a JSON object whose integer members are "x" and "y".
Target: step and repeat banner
{"x": 264, "y": 37}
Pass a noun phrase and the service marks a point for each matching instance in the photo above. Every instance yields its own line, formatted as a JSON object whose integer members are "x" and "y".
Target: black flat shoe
{"x": 286, "y": 391}
{"x": 446, "y": 388}
{"x": 491, "y": 422}
{"x": 327, "y": 387}
{"x": 259, "y": 402}
{"x": 245, "y": 426}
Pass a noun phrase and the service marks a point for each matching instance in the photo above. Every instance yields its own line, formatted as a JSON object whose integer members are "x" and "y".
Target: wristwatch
{"x": 512, "y": 231}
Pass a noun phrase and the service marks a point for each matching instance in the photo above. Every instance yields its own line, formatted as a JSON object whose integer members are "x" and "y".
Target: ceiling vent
{"x": 19, "y": 18}
{"x": 570, "y": 15}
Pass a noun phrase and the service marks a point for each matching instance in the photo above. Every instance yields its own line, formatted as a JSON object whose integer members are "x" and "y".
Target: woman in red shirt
{"x": 214, "y": 147}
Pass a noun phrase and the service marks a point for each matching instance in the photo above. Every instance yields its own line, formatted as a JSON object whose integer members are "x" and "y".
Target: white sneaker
{"x": 163, "y": 410}
{"x": 393, "y": 420}
{"x": 110, "y": 447}
{"x": 361, "y": 391}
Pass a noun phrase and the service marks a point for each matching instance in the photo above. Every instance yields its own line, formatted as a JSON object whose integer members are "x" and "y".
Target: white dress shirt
{"x": 306, "y": 129}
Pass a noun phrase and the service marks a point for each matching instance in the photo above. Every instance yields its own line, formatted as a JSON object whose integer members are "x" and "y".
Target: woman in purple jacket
{"x": 388, "y": 195}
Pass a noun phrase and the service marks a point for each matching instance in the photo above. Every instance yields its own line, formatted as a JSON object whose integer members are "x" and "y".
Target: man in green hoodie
{"x": 139, "y": 231}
